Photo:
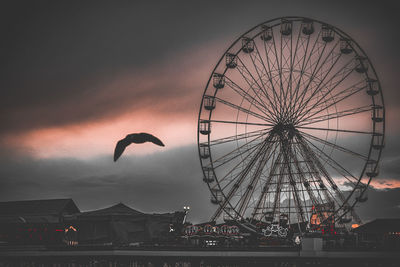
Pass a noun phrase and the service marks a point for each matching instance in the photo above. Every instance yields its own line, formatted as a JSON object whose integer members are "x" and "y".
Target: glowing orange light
{"x": 354, "y": 225}
{"x": 70, "y": 228}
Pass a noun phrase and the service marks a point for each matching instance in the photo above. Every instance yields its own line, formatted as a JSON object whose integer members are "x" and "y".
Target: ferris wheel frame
{"x": 359, "y": 53}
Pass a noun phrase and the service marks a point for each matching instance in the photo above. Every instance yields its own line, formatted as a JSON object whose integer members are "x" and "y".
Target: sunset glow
{"x": 95, "y": 139}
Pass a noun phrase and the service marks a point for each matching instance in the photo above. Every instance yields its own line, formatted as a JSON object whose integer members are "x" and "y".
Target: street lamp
{"x": 186, "y": 209}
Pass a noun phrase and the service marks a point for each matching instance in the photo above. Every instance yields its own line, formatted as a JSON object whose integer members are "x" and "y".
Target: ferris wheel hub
{"x": 284, "y": 128}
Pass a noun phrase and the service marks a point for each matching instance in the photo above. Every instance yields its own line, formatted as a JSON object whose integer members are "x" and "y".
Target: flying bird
{"x": 137, "y": 138}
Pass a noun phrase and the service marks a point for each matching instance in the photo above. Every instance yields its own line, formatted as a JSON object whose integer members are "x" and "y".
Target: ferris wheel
{"x": 291, "y": 125}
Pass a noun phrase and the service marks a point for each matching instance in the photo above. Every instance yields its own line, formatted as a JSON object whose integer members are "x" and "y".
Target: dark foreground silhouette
{"x": 137, "y": 138}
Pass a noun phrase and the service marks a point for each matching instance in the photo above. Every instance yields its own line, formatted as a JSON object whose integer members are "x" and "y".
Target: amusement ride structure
{"x": 291, "y": 127}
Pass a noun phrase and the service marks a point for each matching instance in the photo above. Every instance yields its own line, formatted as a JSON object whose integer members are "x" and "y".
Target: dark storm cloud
{"x": 390, "y": 163}
{"x": 380, "y": 204}
{"x": 155, "y": 183}
{"x": 57, "y": 57}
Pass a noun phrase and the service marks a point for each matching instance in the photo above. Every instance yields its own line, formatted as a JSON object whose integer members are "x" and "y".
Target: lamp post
{"x": 186, "y": 209}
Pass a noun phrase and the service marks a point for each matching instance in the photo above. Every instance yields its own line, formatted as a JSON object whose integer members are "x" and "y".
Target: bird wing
{"x": 119, "y": 148}
{"x": 153, "y": 139}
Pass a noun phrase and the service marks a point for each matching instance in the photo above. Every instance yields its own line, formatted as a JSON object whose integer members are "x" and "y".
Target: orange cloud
{"x": 98, "y": 138}
{"x": 385, "y": 184}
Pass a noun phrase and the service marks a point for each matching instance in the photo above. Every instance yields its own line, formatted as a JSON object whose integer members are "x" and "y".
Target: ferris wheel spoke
{"x": 339, "y": 193}
{"x": 236, "y": 152}
{"x": 324, "y": 98}
{"x": 319, "y": 172}
{"x": 249, "y": 98}
{"x": 268, "y": 73}
{"x": 265, "y": 156}
{"x": 234, "y": 138}
{"x": 233, "y": 155}
{"x": 278, "y": 191}
{"x": 335, "y": 165}
{"x": 313, "y": 70}
{"x": 269, "y": 55}
{"x": 334, "y": 130}
{"x": 242, "y": 69}
{"x": 313, "y": 171}
{"x": 310, "y": 191}
{"x": 230, "y": 173}
{"x": 326, "y": 175}
{"x": 244, "y": 110}
{"x": 286, "y": 63}
{"x": 335, "y": 146}
{"x": 301, "y": 179}
{"x": 246, "y": 161}
{"x": 261, "y": 200}
{"x": 241, "y": 177}
{"x": 279, "y": 66}
{"x": 260, "y": 73}
{"x": 336, "y": 115}
{"x": 272, "y": 67}
{"x": 241, "y": 122}
{"x": 348, "y": 92}
{"x": 292, "y": 181}
{"x": 333, "y": 59}
{"x": 342, "y": 74}
{"x": 322, "y": 84}
{"x": 292, "y": 67}
{"x": 303, "y": 69}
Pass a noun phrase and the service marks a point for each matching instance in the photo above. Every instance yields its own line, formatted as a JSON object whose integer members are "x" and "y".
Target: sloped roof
{"x": 37, "y": 207}
{"x": 380, "y": 226}
{"x": 119, "y": 209}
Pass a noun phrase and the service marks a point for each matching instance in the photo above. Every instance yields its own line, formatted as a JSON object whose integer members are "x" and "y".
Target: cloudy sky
{"x": 76, "y": 76}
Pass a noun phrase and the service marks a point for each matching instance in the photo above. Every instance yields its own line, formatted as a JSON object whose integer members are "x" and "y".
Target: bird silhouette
{"x": 137, "y": 138}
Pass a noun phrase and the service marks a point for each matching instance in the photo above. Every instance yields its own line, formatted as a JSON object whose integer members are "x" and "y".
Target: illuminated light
{"x": 59, "y": 230}
{"x": 355, "y": 225}
{"x": 70, "y": 228}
